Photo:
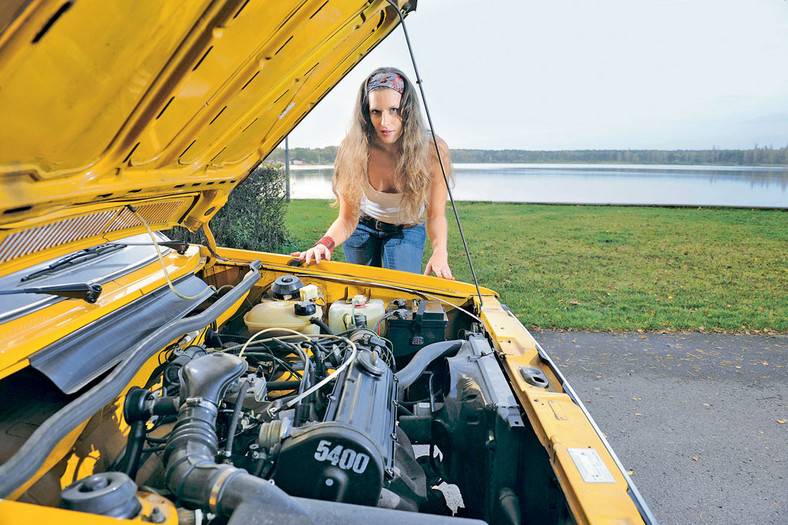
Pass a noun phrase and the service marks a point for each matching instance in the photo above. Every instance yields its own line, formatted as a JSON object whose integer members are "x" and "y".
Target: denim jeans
{"x": 400, "y": 250}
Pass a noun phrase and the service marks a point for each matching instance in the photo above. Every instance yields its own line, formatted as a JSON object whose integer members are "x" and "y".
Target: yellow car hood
{"x": 165, "y": 105}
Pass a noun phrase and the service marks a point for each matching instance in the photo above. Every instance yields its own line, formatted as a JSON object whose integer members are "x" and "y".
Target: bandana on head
{"x": 386, "y": 80}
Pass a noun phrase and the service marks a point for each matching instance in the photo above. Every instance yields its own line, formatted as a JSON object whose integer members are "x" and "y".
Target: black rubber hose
{"x": 134, "y": 444}
{"x": 305, "y": 383}
{"x": 253, "y": 509}
{"x": 324, "y": 329}
{"x": 31, "y": 455}
{"x": 283, "y": 385}
{"x": 422, "y": 359}
{"x": 228, "y": 449}
{"x": 510, "y": 506}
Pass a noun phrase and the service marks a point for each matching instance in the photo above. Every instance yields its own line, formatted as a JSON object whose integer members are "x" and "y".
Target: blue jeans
{"x": 399, "y": 250}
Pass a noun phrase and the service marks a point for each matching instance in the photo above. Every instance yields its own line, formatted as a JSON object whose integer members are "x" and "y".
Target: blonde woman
{"x": 387, "y": 183}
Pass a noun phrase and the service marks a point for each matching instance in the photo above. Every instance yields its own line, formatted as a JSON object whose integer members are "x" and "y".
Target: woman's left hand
{"x": 439, "y": 264}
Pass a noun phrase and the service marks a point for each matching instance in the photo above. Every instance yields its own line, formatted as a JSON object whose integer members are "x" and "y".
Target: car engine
{"x": 341, "y": 415}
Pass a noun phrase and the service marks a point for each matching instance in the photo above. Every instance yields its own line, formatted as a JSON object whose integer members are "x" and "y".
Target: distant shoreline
{"x": 766, "y": 157}
{"x": 593, "y": 184}
{"x": 623, "y": 165}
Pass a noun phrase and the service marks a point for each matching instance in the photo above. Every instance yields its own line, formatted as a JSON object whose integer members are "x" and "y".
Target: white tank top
{"x": 386, "y": 207}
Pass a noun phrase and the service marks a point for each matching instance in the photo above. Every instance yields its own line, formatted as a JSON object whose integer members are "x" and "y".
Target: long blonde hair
{"x": 413, "y": 179}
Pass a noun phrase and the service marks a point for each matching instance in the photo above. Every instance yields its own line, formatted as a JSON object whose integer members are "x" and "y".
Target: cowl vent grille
{"x": 16, "y": 244}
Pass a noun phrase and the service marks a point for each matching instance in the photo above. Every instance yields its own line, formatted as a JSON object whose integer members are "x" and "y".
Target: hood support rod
{"x": 437, "y": 149}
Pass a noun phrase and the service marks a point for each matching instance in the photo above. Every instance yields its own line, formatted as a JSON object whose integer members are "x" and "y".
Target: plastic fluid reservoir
{"x": 293, "y": 315}
{"x": 340, "y": 314}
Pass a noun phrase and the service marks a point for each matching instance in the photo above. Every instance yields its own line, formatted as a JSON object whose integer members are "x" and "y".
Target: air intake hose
{"x": 422, "y": 359}
{"x": 192, "y": 473}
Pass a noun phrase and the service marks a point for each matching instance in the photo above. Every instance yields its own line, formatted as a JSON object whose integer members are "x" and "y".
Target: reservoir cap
{"x": 305, "y": 308}
{"x": 286, "y": 286}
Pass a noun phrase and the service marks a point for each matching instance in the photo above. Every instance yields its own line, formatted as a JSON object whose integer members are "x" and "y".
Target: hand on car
{"x": 313, "y": 255}
{"x": 439, "y": 265}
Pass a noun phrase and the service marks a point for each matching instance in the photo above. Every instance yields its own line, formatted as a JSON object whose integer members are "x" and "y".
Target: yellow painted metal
{"x": 167, "y": 513}
{"x": 54, "y": 457}
{"x": 353, "y": 273}
{"x": 91, "y": 448}
{"x": 16, "y": 512}
{"x": 16, "y": 367}
{"x": 25, "y": 513}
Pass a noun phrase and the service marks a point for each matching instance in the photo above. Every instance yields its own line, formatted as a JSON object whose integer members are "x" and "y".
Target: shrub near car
{"x": 144, "y": 378}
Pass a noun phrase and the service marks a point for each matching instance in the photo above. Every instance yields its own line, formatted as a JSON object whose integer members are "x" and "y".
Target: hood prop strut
{"x": 437, "y": 149}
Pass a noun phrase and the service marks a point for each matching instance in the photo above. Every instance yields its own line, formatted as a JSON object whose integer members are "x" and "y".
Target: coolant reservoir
{"x": 293, "y": 315}
{"x": 340, "y": 314}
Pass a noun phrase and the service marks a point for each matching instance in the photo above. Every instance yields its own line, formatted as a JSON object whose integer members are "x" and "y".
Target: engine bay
{"x": 331, "y": 409}
{"x": 305, "y": 401}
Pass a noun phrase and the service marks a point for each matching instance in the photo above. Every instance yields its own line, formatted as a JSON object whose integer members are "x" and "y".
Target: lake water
{"x": 740, "y": 186}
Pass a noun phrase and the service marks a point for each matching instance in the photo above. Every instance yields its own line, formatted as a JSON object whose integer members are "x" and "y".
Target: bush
{"x": 253, "y": 218}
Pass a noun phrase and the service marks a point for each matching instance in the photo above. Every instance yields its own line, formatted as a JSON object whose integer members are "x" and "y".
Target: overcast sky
{"x": 587, "y": 74}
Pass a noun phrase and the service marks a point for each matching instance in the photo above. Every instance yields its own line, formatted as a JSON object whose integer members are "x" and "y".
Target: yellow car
{"x": 151, "y": 380}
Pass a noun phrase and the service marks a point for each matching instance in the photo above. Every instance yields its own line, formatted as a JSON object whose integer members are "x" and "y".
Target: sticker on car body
{"x": 590, "y": 465}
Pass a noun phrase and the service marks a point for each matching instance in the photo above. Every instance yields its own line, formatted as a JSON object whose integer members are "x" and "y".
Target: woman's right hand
{"x": 313, "y": 255}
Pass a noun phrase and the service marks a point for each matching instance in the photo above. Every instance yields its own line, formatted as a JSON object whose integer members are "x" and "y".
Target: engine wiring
{"x": 303, "y": 391}
{"x": 389, "y": 358}
{"x": 267, "y": 330}
{"x": 338, "y": 370}
{"x": 293, "y": 393}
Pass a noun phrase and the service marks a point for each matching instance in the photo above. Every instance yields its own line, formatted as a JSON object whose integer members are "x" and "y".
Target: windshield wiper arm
{"x": 74, "y": 258}
{"x": 88, "y": 292}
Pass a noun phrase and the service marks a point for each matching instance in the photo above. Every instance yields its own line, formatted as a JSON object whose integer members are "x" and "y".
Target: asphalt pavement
{"x": 700, "y": 420}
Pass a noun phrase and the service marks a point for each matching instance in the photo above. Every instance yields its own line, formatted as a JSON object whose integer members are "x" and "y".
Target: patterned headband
{"x": 386, "y": 80}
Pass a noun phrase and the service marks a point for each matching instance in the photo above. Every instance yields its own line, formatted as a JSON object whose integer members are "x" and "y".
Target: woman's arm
{"x": 342, "y": 227}
{"x": 437, "y": 227}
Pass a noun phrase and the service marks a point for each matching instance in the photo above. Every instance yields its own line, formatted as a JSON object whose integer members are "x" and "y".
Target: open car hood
{"x": 163, "y": 105}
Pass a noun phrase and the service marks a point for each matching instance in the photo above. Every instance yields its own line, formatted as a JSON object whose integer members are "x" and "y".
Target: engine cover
{"x": 345, "y": 457}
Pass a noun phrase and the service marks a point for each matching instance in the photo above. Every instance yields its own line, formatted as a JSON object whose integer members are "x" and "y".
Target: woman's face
{"x": 384, "y": 112}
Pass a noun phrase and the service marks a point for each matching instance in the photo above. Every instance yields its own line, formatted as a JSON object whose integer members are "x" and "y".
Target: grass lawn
{"x": 614, "y": 267}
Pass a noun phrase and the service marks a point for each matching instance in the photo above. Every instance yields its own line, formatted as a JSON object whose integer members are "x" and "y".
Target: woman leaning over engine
{"x": 388, "y": 184}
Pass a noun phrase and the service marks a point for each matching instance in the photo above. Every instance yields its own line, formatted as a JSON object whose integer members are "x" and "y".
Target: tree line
{"x": 757, "y": 156}
{"x": 305, "y": 155}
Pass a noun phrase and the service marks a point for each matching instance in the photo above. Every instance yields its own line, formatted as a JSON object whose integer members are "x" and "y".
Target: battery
{"x": 411, "y": 326}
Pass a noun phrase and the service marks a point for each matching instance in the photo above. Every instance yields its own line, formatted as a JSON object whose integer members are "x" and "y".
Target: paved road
{"x": 701, "y": 420}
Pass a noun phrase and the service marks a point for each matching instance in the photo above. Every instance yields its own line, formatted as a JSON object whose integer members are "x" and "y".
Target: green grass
{"x": 613, "y": 267}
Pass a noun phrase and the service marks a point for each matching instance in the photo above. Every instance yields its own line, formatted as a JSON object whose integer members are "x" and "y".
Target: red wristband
{"x": 328, "y": 242}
